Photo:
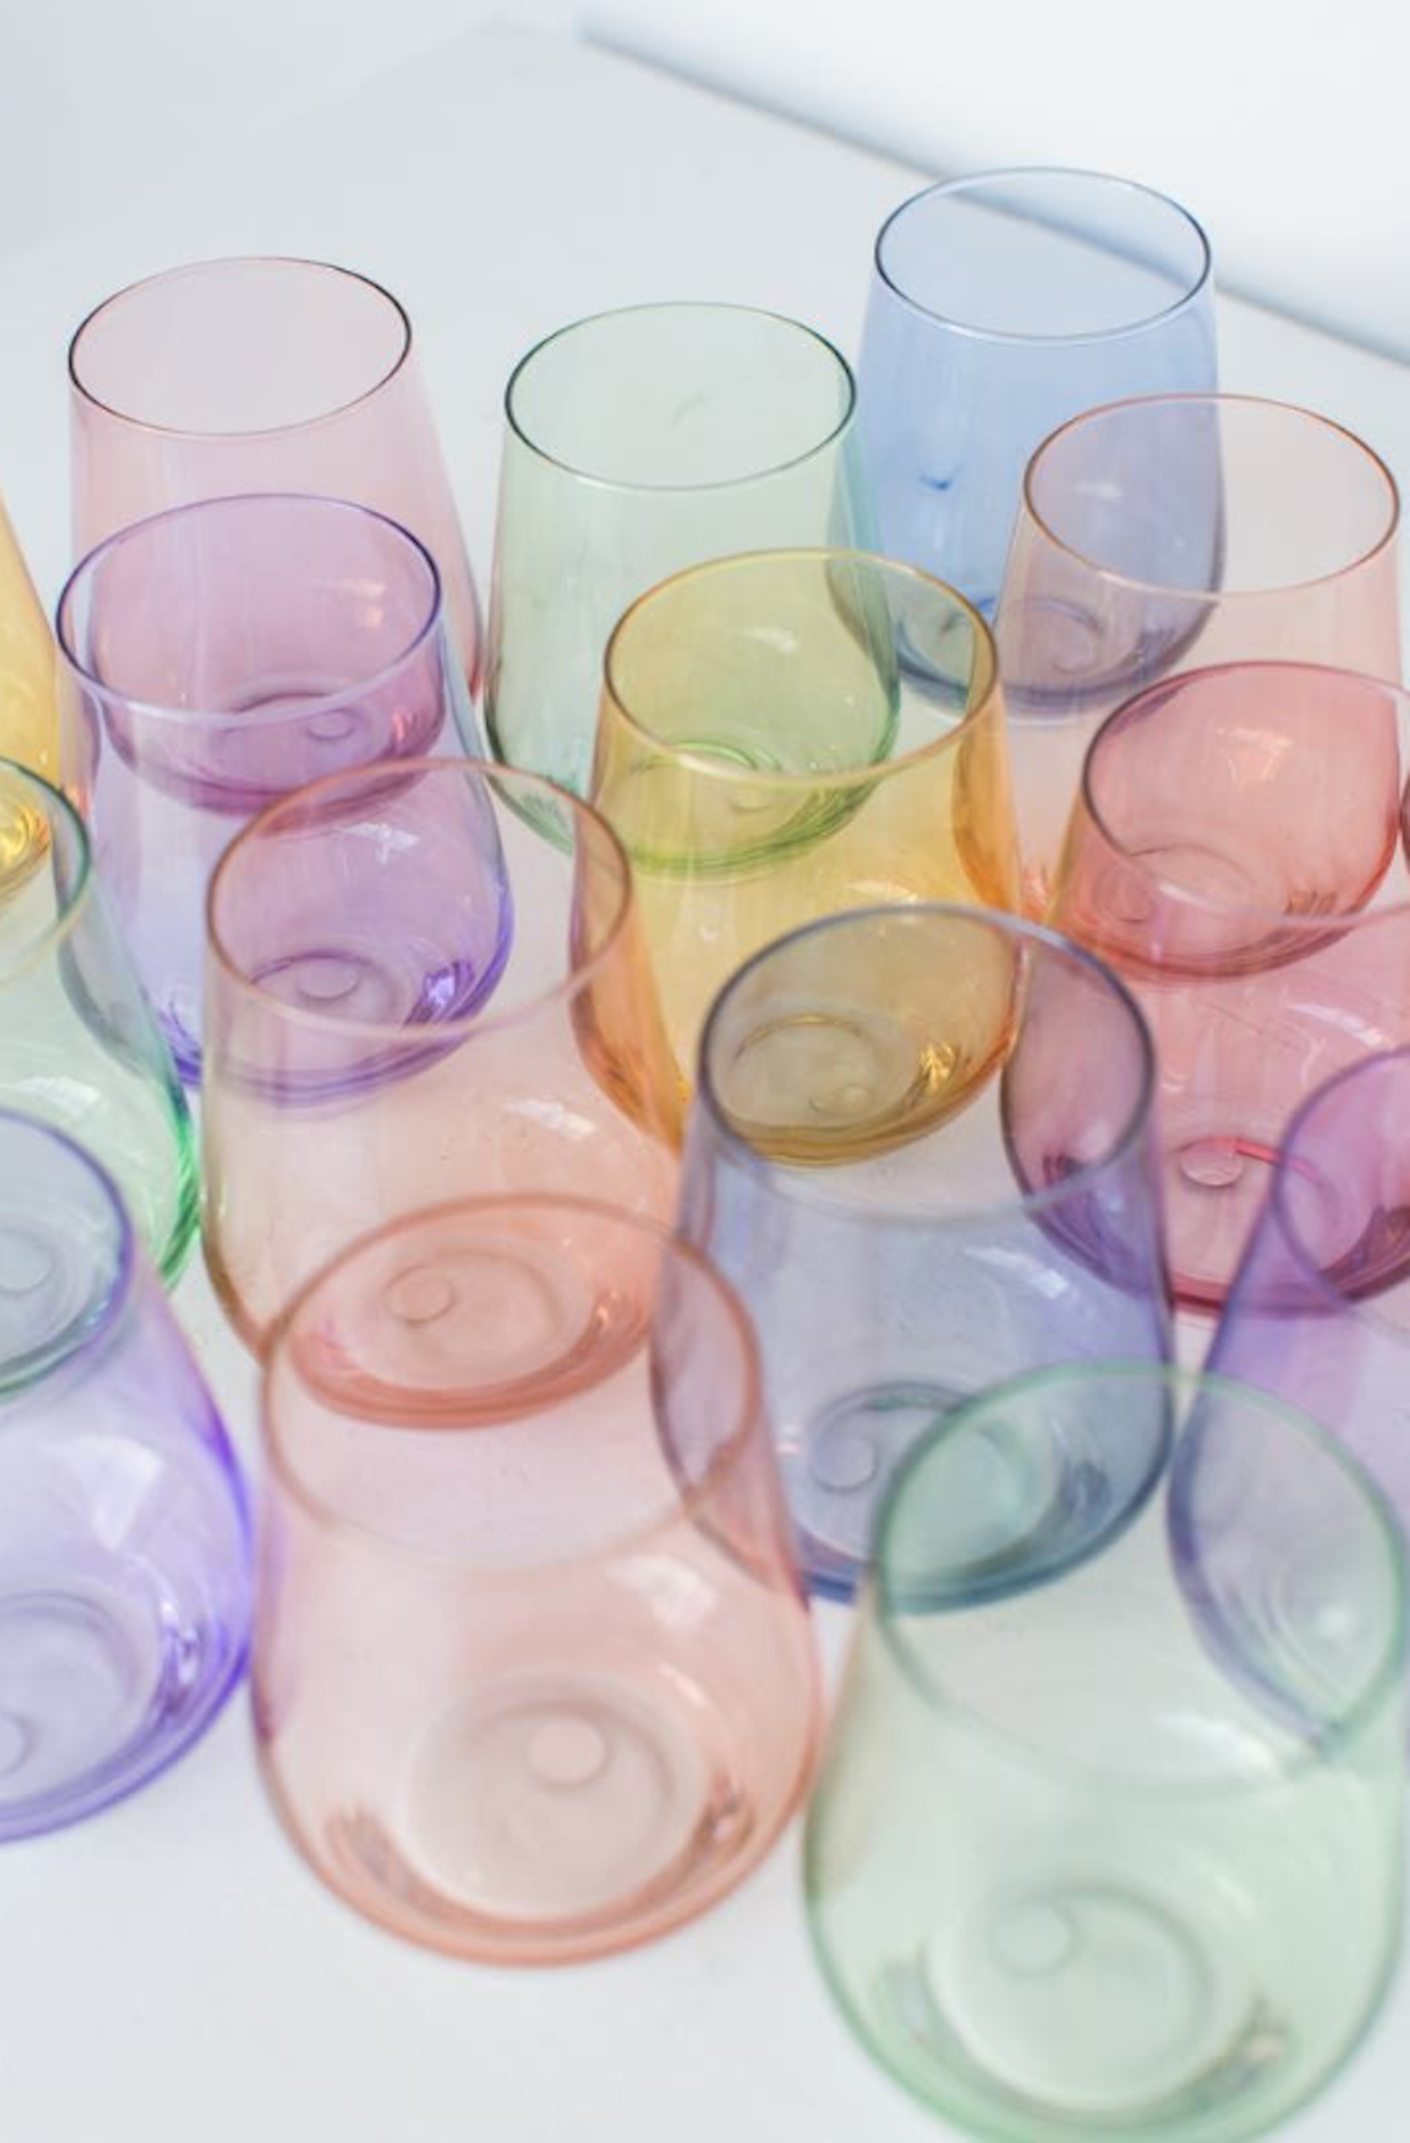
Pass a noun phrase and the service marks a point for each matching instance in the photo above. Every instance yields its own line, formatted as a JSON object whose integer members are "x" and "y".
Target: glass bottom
{"x": 838, "y": 1466}
{"x": 1217, "y": 1175}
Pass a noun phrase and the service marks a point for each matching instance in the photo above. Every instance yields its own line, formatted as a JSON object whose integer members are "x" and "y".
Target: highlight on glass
{"x": 1000, "y": 306}
{"x": 28, "y": 720}
{"x": 1111, "y": 1842}
{"x": 790, "y": 733}
{"x": 637, "y": 443}
{"x": 1176, "y": 531}
{"x": 214, "y": 658}
{"x": 79, "y": 1046}
{"x": 124, "y": 1551}
{"x": 923, "y": 1151}
{"x": 1236, "y": 856}
{"x": 259, "y": 375}
{"x": 424, "y": 980}
{"x": 533, "y": 1675}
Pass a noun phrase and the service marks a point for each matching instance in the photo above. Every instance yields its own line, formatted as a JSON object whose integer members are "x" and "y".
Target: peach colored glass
{"x": 1236, "y": 856}
{"x": 533, "y": 1672}
{"x": 29, "y": 722}
{"x": 422, "y": 982}
{"x": 232, "y": 376}
{"x": 1174, "y": 531}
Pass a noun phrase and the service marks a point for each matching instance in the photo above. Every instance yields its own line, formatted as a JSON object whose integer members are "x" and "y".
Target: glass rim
{"x": 277, "y": 1353}
{"x": 1171, "y": 689}
{"x": 1212, "y": 397}
{"x": 985, "y": 687}
{"x": 714, "y": 483}
{"x": 272, "y": 713}
{"x": 75, "y": 899}
{"x": 117, "y": 1303}
{"x": 180, "y": 272}
{"x": 996, "y": 921}
{"x": 374, "y": 775}
{"x": 1101, "y": 181}
{"x": 1333, "y": 1737}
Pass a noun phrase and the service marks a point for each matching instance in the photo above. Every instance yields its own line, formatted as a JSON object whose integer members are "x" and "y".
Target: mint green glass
{"x": 1108, "y": 1840}
{"x": 79, "y": 1046}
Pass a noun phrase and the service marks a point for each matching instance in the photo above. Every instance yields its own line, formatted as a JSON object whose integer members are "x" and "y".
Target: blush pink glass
{"x": 232, "y": 376}
{"x": 423, "y": 982}
{"x": 1236, "y": 855}
{"x": 1173, "y": 531}
{"x": 533, "y": 1673}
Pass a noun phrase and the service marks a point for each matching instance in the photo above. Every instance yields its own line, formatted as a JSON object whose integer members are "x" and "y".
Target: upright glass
{"x": 28, "y": 722}
{"x": 791, "y": 733}
{"x": 1110, "y": 1841}
{"x": 637, "y": 443}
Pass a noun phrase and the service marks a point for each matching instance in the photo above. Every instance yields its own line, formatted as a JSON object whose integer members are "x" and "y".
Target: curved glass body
{"x": 28, "y": 720}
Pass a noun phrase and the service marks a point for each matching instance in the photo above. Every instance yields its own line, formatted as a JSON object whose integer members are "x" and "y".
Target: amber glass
{"x": 28, "y": 716}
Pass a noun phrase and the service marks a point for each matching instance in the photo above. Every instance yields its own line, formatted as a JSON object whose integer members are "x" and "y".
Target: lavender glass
{"x": 124, "y": 1540}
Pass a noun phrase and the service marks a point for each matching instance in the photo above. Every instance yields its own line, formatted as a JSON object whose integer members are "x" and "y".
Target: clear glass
{"x": 422, "y": 982}
{"x": 124, "y": 1539}
{"x": 922, "y": 1150}
{"x": 28, "y": 721}
{"x": 1001, "y": 305}
{"x": 1111, "y": 1843}
{"x": 637, "y": 443}
{"x": 533, "y": 1674}
{"x": 262, "y": 375}
{"x": 792, "y": 733}
{"x": 1236, "y": 856}
{"x": 1177, "y": 531}
{"x": 79, "y": 1046}
{"x": 214, "y": 658}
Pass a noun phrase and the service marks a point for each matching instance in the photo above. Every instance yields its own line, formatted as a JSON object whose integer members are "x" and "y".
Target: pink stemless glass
{"x": 230, "y": 376}
{"x": 1236, "y": 855}
{"x": 533, "y": 1672}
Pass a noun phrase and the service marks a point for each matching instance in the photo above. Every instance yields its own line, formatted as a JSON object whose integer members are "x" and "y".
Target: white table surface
{"x": 170, "y": 1971}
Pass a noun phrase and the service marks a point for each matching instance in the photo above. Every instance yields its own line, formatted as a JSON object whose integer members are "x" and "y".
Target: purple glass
{"x": 124, "y": 1537}
{"x": 214, "y": 658}
{"x": 922, "y": 1151}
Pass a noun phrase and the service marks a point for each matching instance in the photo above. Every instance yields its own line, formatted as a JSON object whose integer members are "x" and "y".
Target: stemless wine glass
{"x": 533, "y": 1673}
{"x": 124, "y": 1580}
{"x": 1235, "y": 854}
{"x": 79, "y": 1046}
{"x": 791, "y": 733}
{"x": 215, "y": 657}
{"x": 1000, "y": 306}
{"x": 261, "y": 375}
{"x": 1173, "y": 531}
{"x": 1111, "y": 1844}
{"x": 423, "y": 980}
{"x": 637, "y": 443}
{"x": 28, "y": 725}
{"x": 922, "y": 1150}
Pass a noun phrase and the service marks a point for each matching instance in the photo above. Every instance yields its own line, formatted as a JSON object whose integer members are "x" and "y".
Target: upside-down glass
{"x": 124, "y": 1580}
{"x": 923, "y": 1151}
{"x": 791, "y": 733}
{"x": 1112, "y": 1843}
{"x": 422, "y": 982}
{"x": 637, "y": 443}
{"x": 28, "y": 723}
{"x": 1177, "y": 531}
{"x": 79, "y": 1046}
{"x": 1000, "y": 306}
{"x": 533, "y": 1674}
{"x": 1236, "y": 856}
{"x": 228, "y": 376}
{"x": 214, "y": 658}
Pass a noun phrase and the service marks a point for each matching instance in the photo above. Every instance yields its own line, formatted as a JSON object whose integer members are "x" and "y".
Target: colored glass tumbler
{"x": 79, "y": 1046}
{"x": 261, "y": 375}
{"x": 124, "y": 1580}
{"x": 424, "y": 980}
{"x": 533, "y": 1675}
{"x": 791, "y": 733}
{"x": 1111, "y": 1842}
{"x": 923, "y": 1151}
{"x": 1000, "y": 306}
{"x": 28, "y": 718}
{"x": 1176, "y": 531}
{"x": 637, "y": 443}
{"x": 1236, "y": 856}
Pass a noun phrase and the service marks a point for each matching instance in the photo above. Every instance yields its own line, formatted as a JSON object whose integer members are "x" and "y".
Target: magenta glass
{"x": 260, "y": 375}
{"x": 214, "y": 658}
